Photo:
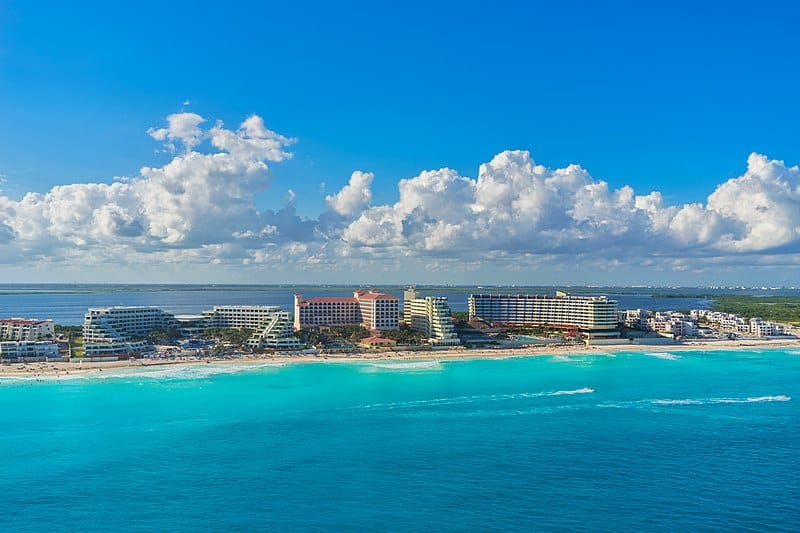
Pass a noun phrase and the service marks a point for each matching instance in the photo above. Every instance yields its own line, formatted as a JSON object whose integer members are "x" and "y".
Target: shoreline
{"x": 61, "y": 369}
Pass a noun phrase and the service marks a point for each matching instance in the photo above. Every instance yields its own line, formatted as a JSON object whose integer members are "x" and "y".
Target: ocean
{"x": 661, "y": 441}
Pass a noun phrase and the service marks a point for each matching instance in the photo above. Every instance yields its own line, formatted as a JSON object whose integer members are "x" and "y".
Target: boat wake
{"x": 693, "y": 401}
{"x": 476, "y": 399}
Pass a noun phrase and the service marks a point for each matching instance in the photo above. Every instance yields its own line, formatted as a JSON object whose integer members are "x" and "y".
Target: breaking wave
{"x": 663, "y": 355}
{"x": 403, "y": 366}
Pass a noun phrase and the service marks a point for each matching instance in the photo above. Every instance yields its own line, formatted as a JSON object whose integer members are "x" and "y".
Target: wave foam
{"x": 695, "y": 401}
{"x": 404, "y": 366}
{"x": 584, "y": 390}
{"x": 479, "y": 398}
{"x": 663, "y": 355}
{"x": 181, "y": 372}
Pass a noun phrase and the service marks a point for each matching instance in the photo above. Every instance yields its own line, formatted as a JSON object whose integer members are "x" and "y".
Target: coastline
{"x": 61, "y": 369}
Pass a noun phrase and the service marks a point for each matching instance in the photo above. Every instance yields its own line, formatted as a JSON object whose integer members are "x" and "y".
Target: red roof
{"x": 376, "y": 296}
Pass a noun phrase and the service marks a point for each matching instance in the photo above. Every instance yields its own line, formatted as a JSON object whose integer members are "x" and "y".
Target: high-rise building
{"x": 431, "y": 316}
{"x": 371, "y": 309}
{"x": 593, "y": 314}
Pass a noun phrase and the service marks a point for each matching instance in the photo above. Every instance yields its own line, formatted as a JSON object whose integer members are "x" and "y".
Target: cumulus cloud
{"x": 514, "y": 215}
{"x": 517, "y": 206}
{"x": 354, "y": 197}
{"x": 195, "y": 200}
{"x": 181, "y": 127}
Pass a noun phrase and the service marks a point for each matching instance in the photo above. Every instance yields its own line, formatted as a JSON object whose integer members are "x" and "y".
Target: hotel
{"x": 371, "y": 309}
{"x": 272, "y": 328}
{"x": 430, "y": 316}
{"x": 122, "y": 330}
{"x": 28, "y": 349}
{"x": 23, "y": 329}
{"x": 591, "y": 314}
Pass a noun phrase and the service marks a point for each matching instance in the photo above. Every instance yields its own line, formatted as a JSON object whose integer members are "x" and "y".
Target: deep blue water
{"x": 67, "y": 303}
{"x": 688, "y": 441}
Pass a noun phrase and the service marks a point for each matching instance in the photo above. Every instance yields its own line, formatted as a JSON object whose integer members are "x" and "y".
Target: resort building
{"x": 596, "y": 315}
{"x": 28, "y": 349}
{"x": 371, "y": 309}
{"x": 24, "y": 329}
{"x": 378, "y": 311}
{"x": 764, "y": 328}
{"x": 430, "y": 316}
{"x": 122, "y": 330}
{"x": 635, "y": 318}
{"x": 672, "y": 323}
{"x": 272, "y": 327}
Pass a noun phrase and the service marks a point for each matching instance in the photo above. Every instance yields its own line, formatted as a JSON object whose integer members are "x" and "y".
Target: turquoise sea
{"x": 682, "y": 441}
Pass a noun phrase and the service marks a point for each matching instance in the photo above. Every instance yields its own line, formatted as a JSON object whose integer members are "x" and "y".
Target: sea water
{"x": 669, "y": 441}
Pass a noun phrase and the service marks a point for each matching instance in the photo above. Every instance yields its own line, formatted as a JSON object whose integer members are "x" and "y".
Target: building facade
{"x": 431, "y": 316}
{"x": 272, "y": 328}
{"x": 28, "y": 349}
{"x": 562, "y": 311}
{"x": 371, "y": 309}
{"x": 24, "y": 329}
{"x": 122, "y": 330}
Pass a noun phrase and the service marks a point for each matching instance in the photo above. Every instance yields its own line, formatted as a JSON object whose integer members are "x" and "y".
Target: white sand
{"x": 85, "y": 367}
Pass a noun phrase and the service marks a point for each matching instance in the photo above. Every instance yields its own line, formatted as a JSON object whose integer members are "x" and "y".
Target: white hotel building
{"x": 24, "y": 329}
{"x": 28, "y": 349}
{"x": 272, "y": 328}
{"x": 592, "y": 314}
{"x": 431, "y": 316}
{"x": 122, "y": 330}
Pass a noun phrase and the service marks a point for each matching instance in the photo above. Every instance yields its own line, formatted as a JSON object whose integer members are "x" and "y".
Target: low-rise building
{"x": 26, "y": 329}
{"x": 28, "y": 349}
{"x": 635, "y": 318}
{"x": 764, "y": 328}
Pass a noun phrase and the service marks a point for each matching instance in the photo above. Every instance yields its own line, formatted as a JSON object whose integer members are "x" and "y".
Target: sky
{"x": 462, "y": 142}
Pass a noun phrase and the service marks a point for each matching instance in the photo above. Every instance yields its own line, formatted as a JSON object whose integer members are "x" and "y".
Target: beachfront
{"x": 79, "y": 367}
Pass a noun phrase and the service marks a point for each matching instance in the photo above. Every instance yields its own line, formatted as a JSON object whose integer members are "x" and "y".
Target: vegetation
{"x": 461, "y": 317}
{"x": 68, "y": 331}
{"x": 336, "y": 334}
{"x": 236, "y": 336}
{"x": 164, "y": 336}
{"x": 405, "y": 335}
{"x": 785, "y": 309}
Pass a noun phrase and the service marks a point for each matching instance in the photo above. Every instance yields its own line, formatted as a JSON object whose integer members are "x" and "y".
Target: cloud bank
{"x": 199, "y": 209}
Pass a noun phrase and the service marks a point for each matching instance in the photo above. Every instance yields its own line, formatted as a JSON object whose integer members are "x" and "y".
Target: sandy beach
{"x": 77, "y": 367}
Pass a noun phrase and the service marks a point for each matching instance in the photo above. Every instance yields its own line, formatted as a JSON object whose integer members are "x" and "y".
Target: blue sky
{"x": 659, "y": 96}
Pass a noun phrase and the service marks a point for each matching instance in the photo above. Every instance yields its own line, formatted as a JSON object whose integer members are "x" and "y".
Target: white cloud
{"x": 518, "y": 206}
{"x": 354, "y": 197}
{"x": 183, "y": 128}
{"x": 516, "y": 216}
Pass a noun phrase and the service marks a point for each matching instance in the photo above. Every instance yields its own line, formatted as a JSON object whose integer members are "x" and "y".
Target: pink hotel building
{"x": 371, "y": 309}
